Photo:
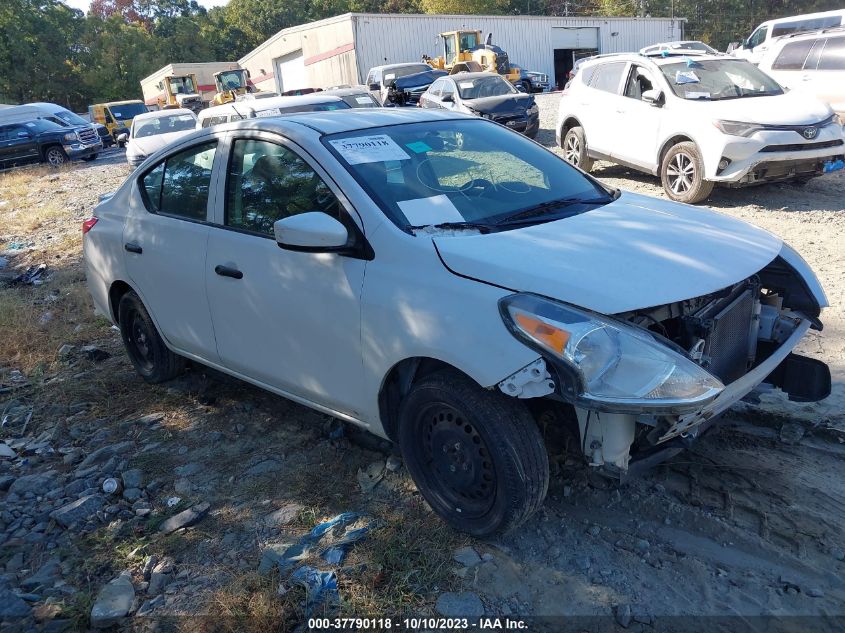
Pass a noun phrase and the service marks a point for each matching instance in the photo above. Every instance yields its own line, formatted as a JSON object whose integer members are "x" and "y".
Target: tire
{"x": 144, "y": 345}
{"x": 526, "y": 86}
{"x": 476, "y": 456}
{"x": 574, "y": 146}
{"x": 682, "y": 174}
{"x": 55, "y": 156}
{"x": 88, "y": 159}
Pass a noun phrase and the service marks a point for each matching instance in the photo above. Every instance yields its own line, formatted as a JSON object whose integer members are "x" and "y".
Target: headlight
{"x": 618, "y": 365}
{"x": 737, "y": 128}
{"x": 70, "y": 136}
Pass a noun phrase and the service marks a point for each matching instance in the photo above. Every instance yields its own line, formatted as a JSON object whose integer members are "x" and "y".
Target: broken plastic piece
{"x": 532, "y": 381}
{"x": 835, "y": 165}
{"x": 319, "y": 587}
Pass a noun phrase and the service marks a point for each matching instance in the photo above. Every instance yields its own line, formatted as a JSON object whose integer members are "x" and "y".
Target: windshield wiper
{"x": 539, "y": 210}
{"x": 480, "y": 226}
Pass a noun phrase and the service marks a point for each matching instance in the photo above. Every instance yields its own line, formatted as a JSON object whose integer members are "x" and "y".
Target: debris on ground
{"x": 320, "y": 587}
{"x": 369, "y": 477}
{"x": 32, "y": 276}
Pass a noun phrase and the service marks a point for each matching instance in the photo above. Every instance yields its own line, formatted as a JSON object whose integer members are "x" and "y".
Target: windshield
{"x": 231, "y": 80}
{"x": 359, "y": 101}
{"x": 70, "y": 118}
{"x": 403, "y": 71}
{"x": 481, "y": 87}
{"x": 126, "y": 111}
{"x": 463, "y": 171}
{"x": 181, "y": 85}
{"x": 164, "y": 125}
{"x": 718, "y": 79}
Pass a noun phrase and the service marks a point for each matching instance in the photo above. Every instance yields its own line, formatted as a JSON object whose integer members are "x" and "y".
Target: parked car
{"x": 381, "y": 78}
{"x": 812, "y": 63}
{"x": 237, "y": 111}
{"x": 486, "y": 95}
{"x": 539, "y": 81}
{"x": 696, "y": 122}
{"x": 116, "y": 115}
{"x": 358, "y": 264}
{"x": 755, "y": 46}
{"x": 354, "y": 96}
{"x": 152, "y": 131}
{"x": 55, "y": 113}
{"x": 42, "y": 141}
{"x": 687, "y": 47}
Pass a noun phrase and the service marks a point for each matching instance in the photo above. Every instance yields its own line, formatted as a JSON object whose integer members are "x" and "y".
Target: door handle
{"x": 133, "y": 248}
{"x": 225, "y": 271}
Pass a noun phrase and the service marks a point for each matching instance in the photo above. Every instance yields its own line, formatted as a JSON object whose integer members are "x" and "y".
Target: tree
{"x": 474, "y": 7}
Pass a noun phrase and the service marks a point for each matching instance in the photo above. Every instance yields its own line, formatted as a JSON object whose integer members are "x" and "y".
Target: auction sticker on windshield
{"x": 433, "y": 210}
{"x": 369, "y": 149}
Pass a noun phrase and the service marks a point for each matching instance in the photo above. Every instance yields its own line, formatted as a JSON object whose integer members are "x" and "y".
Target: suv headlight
{"x": 616, "y": 365}
{"x": 737, "y": 128}
{"x": 70, "y": 137}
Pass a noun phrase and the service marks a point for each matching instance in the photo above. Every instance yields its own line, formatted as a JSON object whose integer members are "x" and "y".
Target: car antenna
{"x": 239, "y": 114}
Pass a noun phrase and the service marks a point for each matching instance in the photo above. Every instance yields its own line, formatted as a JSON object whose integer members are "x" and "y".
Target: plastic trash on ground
{"x": 320, "y": 587}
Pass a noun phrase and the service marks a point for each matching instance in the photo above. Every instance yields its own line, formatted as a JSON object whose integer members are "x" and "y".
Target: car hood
{"x": 634, "y": 253}
{"x": 503, "y": 103}
{"x": 791, "y": 108}
{"x": 147, "y": 145}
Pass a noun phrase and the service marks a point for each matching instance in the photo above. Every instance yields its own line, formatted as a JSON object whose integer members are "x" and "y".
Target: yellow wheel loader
{"x": 465, "y": 51}
{"x": 230, "y": 84}
{"x": 180, "y": 91}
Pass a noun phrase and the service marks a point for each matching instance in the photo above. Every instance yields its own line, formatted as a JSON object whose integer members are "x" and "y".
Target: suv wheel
{"x": 476, "y": 455}
{"x": 55, "y": 156}
{"x": 575, "y": 149}
{"x": 682, "y": 174}
{"x": 147, "y": 351}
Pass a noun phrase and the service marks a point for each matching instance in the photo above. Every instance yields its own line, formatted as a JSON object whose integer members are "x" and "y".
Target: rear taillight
{"x": 88, "y": 224}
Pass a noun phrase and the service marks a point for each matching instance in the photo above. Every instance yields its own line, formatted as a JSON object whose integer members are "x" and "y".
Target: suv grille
{"x": 802, "y": 147}
{"x": 88, "y": 135}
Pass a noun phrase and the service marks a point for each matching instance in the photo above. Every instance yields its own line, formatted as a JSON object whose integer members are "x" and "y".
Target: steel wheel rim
{"x": 462, "y": 476}
{"x": 572, "y": 150}
{"x": 55, "y": 158}
{"x": 139, "y": 339}
{"x": 680, "y": 173}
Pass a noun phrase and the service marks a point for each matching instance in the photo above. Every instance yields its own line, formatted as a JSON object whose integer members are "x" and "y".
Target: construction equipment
{"x": 464, "y": 51}
{"x": 180, "y": 91}
{"x": 231, "y": 84}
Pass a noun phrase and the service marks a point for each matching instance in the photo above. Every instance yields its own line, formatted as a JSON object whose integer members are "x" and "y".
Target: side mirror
{"x": 374, "y": 87}
{"x": 653, "y": 97}
{"x": 310, "y": 232}
{"x": 447, "y": 99}
{"x": 122, "y": 138}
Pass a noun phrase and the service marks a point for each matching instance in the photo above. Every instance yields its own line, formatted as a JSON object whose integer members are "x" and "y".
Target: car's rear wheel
{"x": 682, "y": 174}
{"x": 144, "y": 345}
{"x": 476, "y": 455}
{"x": 55, "y": 156}
{"x": 575, "y": 149}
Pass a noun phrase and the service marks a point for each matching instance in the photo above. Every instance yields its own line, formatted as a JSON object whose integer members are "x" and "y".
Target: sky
{"x": 84, "y": 4}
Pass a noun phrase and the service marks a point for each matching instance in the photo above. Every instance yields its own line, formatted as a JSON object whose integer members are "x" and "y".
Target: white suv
{"x": 696, "y": 122}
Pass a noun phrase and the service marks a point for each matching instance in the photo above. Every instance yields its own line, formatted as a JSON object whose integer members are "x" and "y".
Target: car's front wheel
{"x": 55, "y": 156}
{"x": 575, "y": 149}
{"x": 147, "y": 351}
{"x": 476, "y": 455}
{"x": 682, "y": 174}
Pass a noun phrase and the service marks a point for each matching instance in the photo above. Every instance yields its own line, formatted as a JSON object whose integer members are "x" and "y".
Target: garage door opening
{"x": 565, "y": 59}
{"x": 290, "y": 72}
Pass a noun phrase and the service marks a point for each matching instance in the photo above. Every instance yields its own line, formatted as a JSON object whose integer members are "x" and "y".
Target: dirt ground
{"x": 746, "y": 524}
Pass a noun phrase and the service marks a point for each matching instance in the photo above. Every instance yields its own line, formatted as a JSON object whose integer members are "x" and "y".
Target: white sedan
{"x": 445, "y": 282}
{"x": 152, "y": 131}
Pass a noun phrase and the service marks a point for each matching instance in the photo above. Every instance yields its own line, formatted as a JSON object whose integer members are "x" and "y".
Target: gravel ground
{"x": 747, "y": 523}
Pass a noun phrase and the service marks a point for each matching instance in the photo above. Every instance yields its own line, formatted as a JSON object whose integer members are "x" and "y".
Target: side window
{"x": 6, "y": 133}
{"x": 758, "y": 37}
{"x": 638, "y": 82}
{"x": 448, "y": 89}
{"x": 436, "y": 87}
{"x": 185, "y": 182}
{"x": 267, "y": 182}
{"x": 607, "y": 77}
{"x": 833, "y": 55}
{"x": 812, "y": 60}
{"x": 792, "y": 56}
{"x": 371, "y": 78}
{"x": 151, "y": 188}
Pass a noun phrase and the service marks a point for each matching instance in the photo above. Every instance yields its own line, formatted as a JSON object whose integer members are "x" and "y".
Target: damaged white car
{"x": 442, "y": 281}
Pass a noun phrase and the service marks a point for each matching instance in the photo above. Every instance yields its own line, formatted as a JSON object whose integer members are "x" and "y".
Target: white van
{"x": 759, "y": 41}
{"x": 235, "y": 111}
{"x": 55, "y": 113}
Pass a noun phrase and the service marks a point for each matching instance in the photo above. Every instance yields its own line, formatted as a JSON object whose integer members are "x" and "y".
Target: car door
{"x": 290, "y": 320}
{"x": 827, "y": 79}
{"x": 165, "y": 237}
{"x": 597, "y": 107}
{"x": 641, "y": 120}
{"x": 431, "y": 97}
{"x": 19, "y": 144}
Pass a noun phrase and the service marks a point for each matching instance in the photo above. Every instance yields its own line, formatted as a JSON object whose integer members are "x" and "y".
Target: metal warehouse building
{"x": 342, "y": 49}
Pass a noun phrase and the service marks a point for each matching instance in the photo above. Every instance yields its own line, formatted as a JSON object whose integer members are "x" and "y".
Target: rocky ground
{"x": 188, "y": 505}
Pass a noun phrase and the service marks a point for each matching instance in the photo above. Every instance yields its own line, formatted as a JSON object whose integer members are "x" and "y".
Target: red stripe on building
{"x": 260, "y": 78}
{"x": 332, "y": 53}
{"x": 209, "y": 87}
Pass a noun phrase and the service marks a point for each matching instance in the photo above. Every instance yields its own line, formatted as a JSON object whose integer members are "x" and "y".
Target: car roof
{"x": 475, "y": 75}
{"x": 256, "y": 105}
{"x": 390, "y": 66}
{"x": 671, "y": 58}
{"x": 345, "y": 92}
{"x": 829, "y": 31}
{"x": 158, "y": 114}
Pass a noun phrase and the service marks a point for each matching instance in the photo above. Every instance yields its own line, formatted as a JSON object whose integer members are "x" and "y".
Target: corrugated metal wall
{"x": 387, "y": 39}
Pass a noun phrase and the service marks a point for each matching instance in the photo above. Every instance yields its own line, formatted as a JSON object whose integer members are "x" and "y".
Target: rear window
{"x": 833, "y": 55}
{"x": 607, "y": 77}
{"x": 805, "y": 25}
{"x": 793, "y": 55}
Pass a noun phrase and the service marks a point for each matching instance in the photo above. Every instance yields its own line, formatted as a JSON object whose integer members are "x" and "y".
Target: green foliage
{"x": 49, "y": 52}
